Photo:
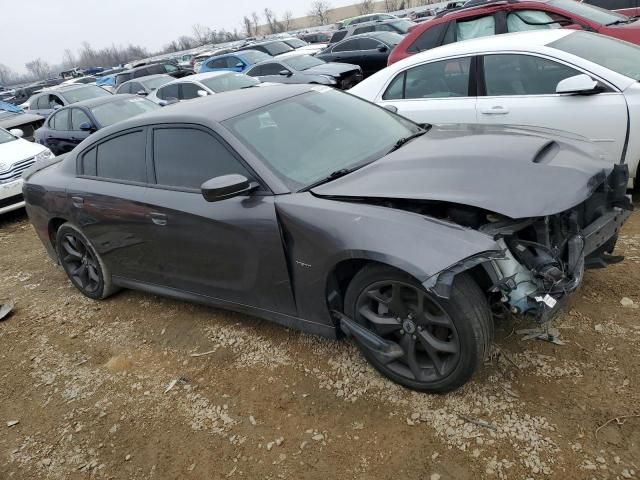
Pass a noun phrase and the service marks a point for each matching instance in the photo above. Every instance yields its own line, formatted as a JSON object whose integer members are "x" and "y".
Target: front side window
{"x": 78, "y": 117}
{"x": 513, "y": 74}
{"x": 272, "y": 69}
{"x": 189, "y": 91}
{"x": 443, "y": 79}
{"x": 126, "y": 88}
{"x": 60, "y": 121}
{"x": 616, "y": 55}
{"x": 122, "y": 158}
{"x": 42, "y": 102}
{"x": 333, "y": 131}
{"x": 369, "y": 44}
{"x": 208, "y": 158}
{"x": 169, "y": 68}
{"x": 135, "y": 87}
{"x": 478, "y": 27}
{"x": 348, "y": 46}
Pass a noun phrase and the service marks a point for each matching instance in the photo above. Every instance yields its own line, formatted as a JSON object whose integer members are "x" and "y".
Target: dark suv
{"x": 168, "y": 68}
{"x": 397, "y": 25}
{"x": 495, "y": 17}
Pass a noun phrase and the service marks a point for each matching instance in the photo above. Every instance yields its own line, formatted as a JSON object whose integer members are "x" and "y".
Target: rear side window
{"x": 255, "y": 71}
{"x": 123, "y": 158}
{"x": 124, "y": 89}
{"x": 89, "y": 162}
{"x": 475, "y": 28}
{"x": 338, "y": 36}
{"x": 513, "y": 74}
{"x": 208, "y": 158}
{"x": 430, "y": 38}
{"x": 348, "y": 46}
{"x": 443, "y": 79}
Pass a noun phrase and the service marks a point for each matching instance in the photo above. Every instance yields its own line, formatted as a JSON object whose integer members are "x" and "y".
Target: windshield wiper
{"x": 619, "y": 22}
{"x": 403, "y": 141}
{"x": 332, "y": 176}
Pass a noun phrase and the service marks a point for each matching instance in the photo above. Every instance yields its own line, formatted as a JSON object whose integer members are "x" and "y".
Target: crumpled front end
{"x": 544, "y": 258}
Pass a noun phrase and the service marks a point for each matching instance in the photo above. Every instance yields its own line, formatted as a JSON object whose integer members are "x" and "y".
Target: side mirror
{"x": 202, "y": 93}
{"x": 56, "y": 107}
{"x": 578, "y": 85}
{"x": 142, "y": 93}
{"x": 87, "y": 127}
{"x": 239, "y": 66}
{"x": 383, "y": 48}
{"x": 16, "y": 132}
{"x": 391, "y": 108}
{"x": 225, "y": 186}
{"x": 285, "y": 73}
{"x": 170, "y": 101}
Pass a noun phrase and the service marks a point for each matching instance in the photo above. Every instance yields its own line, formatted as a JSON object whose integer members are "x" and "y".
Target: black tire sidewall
{"x": 467, "y": 328}
{"x": 69, "y": 228}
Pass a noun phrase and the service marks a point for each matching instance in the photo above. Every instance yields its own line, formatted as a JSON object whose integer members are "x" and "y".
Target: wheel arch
{"x": 54, "y": 224}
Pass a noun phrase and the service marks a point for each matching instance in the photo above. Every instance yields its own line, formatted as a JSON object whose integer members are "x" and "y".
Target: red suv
{"x": 495, "y": 17}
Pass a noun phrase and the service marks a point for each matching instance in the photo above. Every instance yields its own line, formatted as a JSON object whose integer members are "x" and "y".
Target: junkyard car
{"x": 16, "y": 155}
{"x": 12, "y": 117}
{"x": 320, "y": 211}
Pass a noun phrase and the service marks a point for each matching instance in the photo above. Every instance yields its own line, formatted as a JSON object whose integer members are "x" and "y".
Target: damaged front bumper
{"x": 540, "y": 261}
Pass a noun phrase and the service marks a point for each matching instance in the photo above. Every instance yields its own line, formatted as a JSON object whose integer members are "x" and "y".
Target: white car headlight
{"x": 44, "y": 155}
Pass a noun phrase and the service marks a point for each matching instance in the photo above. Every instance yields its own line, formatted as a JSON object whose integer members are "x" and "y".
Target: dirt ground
{"x": 88, "y": 383}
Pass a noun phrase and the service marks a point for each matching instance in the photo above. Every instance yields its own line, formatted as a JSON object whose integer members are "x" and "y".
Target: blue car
{"x": 233, "y": 62}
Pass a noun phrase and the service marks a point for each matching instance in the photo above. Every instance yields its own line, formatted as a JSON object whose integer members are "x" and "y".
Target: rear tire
{"x": 82, "y": 263}
{"x": 444, "y": 340}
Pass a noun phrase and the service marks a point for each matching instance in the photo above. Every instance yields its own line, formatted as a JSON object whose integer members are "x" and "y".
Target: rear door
{"x": 520, "y": 89}
{"x": 78, "y": 118}
{"x": 348, "y": 51}
{"x": 230, "y": 249}
{"x": 439, "y": 91}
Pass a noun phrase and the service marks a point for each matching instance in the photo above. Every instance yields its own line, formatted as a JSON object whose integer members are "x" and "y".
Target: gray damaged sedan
{"x": 322, "y": 212}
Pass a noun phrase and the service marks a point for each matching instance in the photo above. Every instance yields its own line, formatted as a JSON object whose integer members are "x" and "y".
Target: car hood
{"x": 332, "y": 68}
{"x": 17, "y": 150}
{"x": 515, "y": 172}
{"x": 21, "y": 119}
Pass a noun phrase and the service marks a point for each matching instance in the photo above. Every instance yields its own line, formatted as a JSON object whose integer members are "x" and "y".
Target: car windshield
{"x": 333, "y": 131}
{"x": 253, "y": 56}
{"x": 121, "y": 109}
{"x": 594, "y": 14}
{"x": 156, "y": 82}
{"x": 276, "y": 48}
{"x": 616, "y": 55}
{"x": 304, "y": 62}
{"x": 6, "y": 136}
{"x": 84, "y": 93}
{"x": 295, "y": 42}
{"x": 402, "y": 26}
{"x": 390, "y": 38}
{"x": 228, "y": 82}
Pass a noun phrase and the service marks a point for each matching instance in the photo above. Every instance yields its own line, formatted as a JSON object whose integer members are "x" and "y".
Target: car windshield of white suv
{"x": 616, "y": 55}
{"x": 594, "y": 14}
{"x": 334, "y": 132}
{"x": 6, "y": 136}
{"x": 228, "y": 82}
{"x": 84, "y": 93}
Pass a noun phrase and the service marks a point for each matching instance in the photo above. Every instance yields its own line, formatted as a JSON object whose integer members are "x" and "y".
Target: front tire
{"x": 444, "y": 340}
{"x": 82, "y": 264}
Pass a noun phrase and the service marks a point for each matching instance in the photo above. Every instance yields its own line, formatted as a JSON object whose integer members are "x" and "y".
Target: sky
{"x": 45, "y": 28}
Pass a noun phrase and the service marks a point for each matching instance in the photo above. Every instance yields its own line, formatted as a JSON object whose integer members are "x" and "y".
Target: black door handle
{"x": 77, "y": 201}
{"x": 159, "y": 218}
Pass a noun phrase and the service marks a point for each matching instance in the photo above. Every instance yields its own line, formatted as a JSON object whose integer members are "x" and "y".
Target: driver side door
{"x": 520, "y": 89}
{"x": 229, "y": 250}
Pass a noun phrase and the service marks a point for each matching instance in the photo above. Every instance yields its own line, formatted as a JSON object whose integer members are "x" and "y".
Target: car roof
{"x": 489, "y": 4}
{"x": 374, "y": 22}
{"x": 213, "y": 108}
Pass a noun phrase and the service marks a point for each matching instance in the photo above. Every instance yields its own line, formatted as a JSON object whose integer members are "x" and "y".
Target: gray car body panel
{"x": 531, "y": 174}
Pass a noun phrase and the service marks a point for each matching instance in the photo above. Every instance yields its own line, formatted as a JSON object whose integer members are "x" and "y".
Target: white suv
{"x": 16, "y": 155}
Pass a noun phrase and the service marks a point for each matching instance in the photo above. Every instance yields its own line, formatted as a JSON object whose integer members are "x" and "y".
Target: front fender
{"x": 319, "y": 234}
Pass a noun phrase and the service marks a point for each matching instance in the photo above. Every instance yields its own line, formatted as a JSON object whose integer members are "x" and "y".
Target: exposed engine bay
{"x": 542, "y": 259}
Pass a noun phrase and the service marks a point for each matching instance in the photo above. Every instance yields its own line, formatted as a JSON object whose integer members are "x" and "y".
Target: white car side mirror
{"x": 578, "y": 85}
{"x": 16, "y": 132}
{"x": 202, "y": 93}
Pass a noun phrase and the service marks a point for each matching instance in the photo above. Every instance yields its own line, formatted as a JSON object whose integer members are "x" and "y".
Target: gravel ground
{"x": 88, "y": 384}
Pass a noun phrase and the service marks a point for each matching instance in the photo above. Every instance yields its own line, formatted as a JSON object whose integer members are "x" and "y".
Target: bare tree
{"x": 256, "y": 21}
{"x": 365, "y": 7}
{"x": 68, "y": 59}
{"x": 201, "y": 34}
{"x": 248, "y": 27}
{"x": 38, "y": 68}
{"x": 6, "y": 75}
{"x": 320, "y": 11}
{"x": 272, "y": 21}
{"x": 287, "y": 20}
{"x": 392, "y": 5}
